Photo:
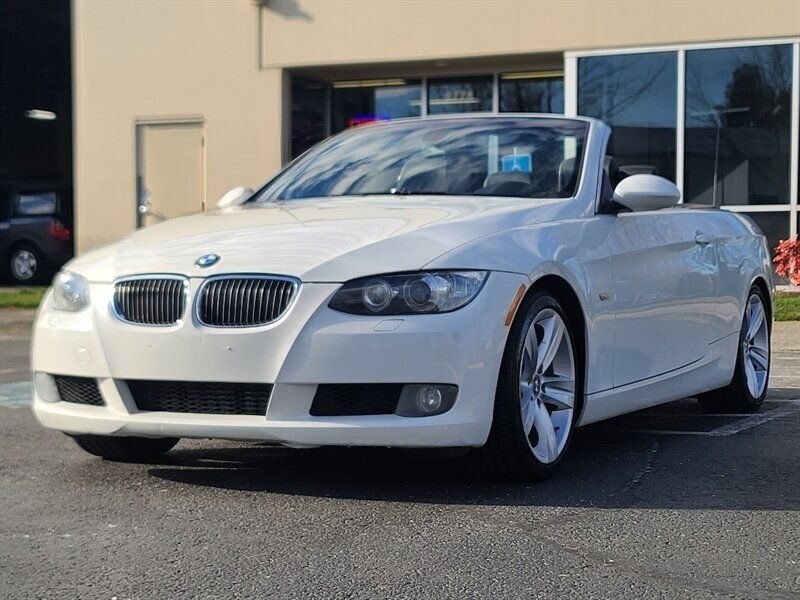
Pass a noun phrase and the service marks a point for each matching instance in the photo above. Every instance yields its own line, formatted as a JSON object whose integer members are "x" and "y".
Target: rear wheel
{"x": 747, "y": 390}
{"x": 126, "y": 449}
{"x": 537, "y": 397}
{"x": 25, "y": 264}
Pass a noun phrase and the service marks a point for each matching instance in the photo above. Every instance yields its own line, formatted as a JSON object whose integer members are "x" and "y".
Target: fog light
{"x": 429, "y": 399}
{"x": 425, "y": 400}
{"x": 46, "y": 387}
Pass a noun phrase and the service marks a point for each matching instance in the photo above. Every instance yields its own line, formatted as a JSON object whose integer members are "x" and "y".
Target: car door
{"x": 664, "y": 270}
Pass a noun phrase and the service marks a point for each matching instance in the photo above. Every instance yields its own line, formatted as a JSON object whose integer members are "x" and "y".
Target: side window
{"x": 36, "y": 203}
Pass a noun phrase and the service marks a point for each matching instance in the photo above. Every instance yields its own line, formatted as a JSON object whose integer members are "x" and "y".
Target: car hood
{"x": 316, "y": 240}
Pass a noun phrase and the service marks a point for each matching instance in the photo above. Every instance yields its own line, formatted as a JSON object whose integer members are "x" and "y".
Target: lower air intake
{"x": 201, "y": 397}
{"x": 78, "y": 390}
{"x": 354, "y": 399}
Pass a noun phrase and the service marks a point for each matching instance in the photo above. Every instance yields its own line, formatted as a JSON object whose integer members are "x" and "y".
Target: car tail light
{"x": 59, "y": 231}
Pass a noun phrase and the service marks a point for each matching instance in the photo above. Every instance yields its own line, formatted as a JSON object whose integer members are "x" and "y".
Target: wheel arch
{"x": 760, "y": 282}
{"x": 21, "y": 242}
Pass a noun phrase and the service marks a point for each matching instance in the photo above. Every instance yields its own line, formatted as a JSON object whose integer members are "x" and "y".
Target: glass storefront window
{"x": 358, "y": 102}
{"x": 774, "y": 226}
{"x": 637, "y": 95}
{"x": 470, "y": 94}
{"x": 308, "y": 114}
{"x": 738, "y": 125}
{"x": 529, "y": 92}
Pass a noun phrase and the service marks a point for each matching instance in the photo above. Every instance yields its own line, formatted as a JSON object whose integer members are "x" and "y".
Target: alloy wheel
{"x": 755, "y": 347}
{"x": 24, "y": 264}
{"x": 547, "y": 385}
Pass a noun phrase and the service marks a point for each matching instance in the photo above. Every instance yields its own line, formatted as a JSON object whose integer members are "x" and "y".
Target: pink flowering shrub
{"x": 787, "y": 260}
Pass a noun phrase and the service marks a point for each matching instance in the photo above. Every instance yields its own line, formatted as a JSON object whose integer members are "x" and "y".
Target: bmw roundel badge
{"x": 207, "y": 260}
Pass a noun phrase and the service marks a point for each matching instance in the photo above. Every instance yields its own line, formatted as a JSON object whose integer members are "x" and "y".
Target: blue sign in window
{"x": 522, "y": 163}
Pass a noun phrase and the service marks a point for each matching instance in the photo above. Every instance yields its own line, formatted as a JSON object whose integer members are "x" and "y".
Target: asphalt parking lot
{"x": 664, "y": 503}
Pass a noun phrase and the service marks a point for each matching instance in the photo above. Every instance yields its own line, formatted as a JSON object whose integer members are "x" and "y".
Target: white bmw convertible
{"x": 488, "y": 283}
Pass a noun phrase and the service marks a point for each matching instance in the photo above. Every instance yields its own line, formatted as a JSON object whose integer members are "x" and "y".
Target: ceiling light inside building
{"x": 445, "y": 101}
{"x": 368, "y": 83}
{"x": 532, "y": 75}
{"x": 38, "y": 114}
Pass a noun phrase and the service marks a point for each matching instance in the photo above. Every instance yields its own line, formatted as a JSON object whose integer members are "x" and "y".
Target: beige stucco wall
{"x": 156, "y": 59}
{"x": 308, "y": 32}
{"x": 226, "y": 60}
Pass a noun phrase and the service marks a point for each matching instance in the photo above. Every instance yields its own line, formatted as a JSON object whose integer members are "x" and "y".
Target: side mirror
{"x": 235, "y": 197}
{"x": 646, "y": 192}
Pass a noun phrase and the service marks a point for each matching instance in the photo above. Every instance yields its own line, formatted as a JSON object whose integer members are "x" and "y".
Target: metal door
{"x": 170, "y": 170}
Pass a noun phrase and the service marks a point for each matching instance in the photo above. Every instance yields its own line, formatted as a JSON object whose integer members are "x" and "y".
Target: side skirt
{"x": 713, "y": 371}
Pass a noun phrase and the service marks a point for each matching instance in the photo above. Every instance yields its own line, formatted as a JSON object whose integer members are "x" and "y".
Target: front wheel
{"x": 538, "y": 393}
{"x": 125, "y": 449}
{"x": 747, "y": 390}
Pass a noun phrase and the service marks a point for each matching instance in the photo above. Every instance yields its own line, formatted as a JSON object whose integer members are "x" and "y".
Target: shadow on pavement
{"x": 606, "y": 468}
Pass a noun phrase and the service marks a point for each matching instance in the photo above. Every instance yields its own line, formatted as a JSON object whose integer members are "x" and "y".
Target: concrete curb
{"x": 16, "y": 321}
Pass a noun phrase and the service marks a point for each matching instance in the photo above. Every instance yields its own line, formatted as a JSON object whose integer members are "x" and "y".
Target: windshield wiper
{"x": 394, "y": 192}
{"x": 405, "y": 192}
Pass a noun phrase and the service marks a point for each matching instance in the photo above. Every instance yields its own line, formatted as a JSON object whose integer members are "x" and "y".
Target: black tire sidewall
{"x": 125, "y": 449}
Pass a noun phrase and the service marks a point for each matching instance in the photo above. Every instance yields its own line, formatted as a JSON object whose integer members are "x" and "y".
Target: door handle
{"x": 145, "y": 208}
{"x": 704, "y": 239}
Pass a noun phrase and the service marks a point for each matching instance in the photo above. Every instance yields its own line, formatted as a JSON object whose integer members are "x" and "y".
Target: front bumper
{"x": 310, "y": 345}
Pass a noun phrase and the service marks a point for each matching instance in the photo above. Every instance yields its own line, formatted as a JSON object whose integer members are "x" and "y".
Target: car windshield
{"x": 512, "y": 157}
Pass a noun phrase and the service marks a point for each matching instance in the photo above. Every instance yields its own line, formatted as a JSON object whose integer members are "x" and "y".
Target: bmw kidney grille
{"x": 235, "y": 301}
{"x": 244, "y": 301}
{"x": 150, "y": 301}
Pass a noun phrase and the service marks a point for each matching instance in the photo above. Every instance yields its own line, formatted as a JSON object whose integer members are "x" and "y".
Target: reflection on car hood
{"x": 328, "y": 240}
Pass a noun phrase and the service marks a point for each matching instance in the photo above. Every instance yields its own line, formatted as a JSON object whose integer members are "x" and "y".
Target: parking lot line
{"x": 744, "y": 422}
{"x": 16, "y": 394}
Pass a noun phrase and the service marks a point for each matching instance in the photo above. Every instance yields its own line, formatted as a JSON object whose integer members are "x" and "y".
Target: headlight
{"x": 70, "y": 292}
{"x": 413, "y": 293}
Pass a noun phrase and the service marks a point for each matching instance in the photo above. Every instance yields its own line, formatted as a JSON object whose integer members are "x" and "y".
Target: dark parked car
{"x": 35, "y": 232}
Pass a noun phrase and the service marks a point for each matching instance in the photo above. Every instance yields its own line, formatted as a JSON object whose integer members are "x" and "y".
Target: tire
{"x": 748, "y": 388}
{"x": 25, "y": 265}
{"x": 539, "y": 394}
{"x": 125, "y": 449}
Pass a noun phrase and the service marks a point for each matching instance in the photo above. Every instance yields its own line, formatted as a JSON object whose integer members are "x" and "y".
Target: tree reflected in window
{"x": 637, "y": 95}
{"x": 738, "y": 125}
{"x": 531, "y": 94}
